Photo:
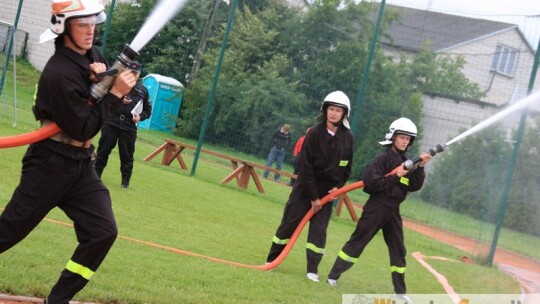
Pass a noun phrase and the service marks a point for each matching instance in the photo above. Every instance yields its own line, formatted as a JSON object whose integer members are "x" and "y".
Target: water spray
{"x": 520, "y": 104}
{"x": 162, "y": 13}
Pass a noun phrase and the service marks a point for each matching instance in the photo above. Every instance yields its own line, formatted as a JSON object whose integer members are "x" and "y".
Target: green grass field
{"x": 166, "y": 206}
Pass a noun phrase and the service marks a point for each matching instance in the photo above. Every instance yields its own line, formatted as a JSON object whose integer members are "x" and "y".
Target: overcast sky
{"x": 525, "y": 13}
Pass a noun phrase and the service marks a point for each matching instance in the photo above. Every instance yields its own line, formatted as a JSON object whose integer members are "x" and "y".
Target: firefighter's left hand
{"x": 426, "y": 157}
{"x": 136, "y": 118}
{"x": 332, "y": 190}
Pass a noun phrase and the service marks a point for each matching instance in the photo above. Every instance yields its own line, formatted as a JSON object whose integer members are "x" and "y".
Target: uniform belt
{"x": 62, "y": 137}
{"x": 122, "y": 117}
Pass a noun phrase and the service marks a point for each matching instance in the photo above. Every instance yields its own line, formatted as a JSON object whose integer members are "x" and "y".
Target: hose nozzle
{"x": 123, "y": 61}
{"x": 409, "y": 163}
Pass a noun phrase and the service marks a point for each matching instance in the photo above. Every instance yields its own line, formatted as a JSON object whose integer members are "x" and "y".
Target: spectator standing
{"x": 58, "y": 171}
{"x": 324, "y": 166}
{"x": 281, "y": 138}
{"x": 121, "y": 128}
{"x": 381, "y": 211}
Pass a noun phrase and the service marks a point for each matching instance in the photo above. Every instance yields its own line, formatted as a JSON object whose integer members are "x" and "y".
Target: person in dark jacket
{"x": 381, "y": 211}
{"x": 281, "y": 138}
{"x": 324, "y": 166}
{"x": 122, "y": 128}
{"x": 59, "y": 171}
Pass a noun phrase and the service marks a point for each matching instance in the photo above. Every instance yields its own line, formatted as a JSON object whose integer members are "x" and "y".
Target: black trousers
{"x": 49, "y": 180}
{"x": 295, "y": 209}
{"x": 110, "y": 135}
{"x": 376, "y": 216}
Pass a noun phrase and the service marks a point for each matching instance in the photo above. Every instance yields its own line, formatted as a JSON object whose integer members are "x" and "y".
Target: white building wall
{"x": 500, "y": 89}
{"x": 34, "y": 18}
{"x": 445, "y": 118}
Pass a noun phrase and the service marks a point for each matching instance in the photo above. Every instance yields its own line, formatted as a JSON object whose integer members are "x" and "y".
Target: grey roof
{"x": 443, "y": 30}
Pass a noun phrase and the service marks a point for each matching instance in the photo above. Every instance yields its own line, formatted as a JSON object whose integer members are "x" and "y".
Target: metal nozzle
{"x": 99, "y": 89}
{"x": 438, "y": 149}
{"x": 409, "y": 163}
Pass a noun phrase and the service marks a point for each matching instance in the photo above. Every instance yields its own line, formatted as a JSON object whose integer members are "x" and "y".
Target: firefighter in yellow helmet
{"x": 58, "y": 171}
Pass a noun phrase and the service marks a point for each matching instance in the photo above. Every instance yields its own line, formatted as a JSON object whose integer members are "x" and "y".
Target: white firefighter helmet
{"x": 64, "y": 10}
{"x": 400, "y": 126}
{"x": 339, "y": 99}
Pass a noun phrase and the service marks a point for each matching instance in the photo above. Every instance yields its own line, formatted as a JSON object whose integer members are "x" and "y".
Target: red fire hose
{"x": 50, "y": 130}
{"x": 30, "y": 137}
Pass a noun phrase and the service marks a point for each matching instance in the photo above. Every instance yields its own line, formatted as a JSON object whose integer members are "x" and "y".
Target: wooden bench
{"x": 243, "y": 170}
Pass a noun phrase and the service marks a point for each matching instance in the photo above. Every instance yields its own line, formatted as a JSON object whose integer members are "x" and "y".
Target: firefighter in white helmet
{"x": 58, "y": 171}
{"x": 381, "y": 211}
{"x": 324, "y": 165}
{"x": 63, "y": 11}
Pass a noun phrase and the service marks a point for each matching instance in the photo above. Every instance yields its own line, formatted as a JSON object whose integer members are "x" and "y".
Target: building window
{"x": 504, "y": 60}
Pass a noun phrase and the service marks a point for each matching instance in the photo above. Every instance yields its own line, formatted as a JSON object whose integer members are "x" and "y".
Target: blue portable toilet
{"x": 165, "y": 97}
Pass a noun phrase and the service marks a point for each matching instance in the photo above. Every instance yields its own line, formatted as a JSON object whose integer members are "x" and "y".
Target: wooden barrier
{"x": 345, "y": 200}
{"x": 243, "y": 170}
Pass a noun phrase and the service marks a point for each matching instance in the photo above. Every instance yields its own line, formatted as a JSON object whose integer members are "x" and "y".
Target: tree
{"x": 172, "y": 50}
{"x": 279, "y": 65}
{"x": 442, "y": 74}
{"x": 256, "y": 91}
{"x": 468, "y": 179}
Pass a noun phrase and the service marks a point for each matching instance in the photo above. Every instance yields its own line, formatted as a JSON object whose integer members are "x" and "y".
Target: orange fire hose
{"x": 30, "y": 137}
{"x": 49, "y": 130}
{"x": 287, "y": 248}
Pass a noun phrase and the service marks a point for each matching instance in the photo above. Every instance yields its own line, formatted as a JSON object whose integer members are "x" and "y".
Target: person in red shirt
{"x": 296, "y": 154}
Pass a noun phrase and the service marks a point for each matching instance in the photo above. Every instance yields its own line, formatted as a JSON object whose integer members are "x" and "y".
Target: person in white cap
{"x": 324, "y": 165}
{"x": 58, "y": 171}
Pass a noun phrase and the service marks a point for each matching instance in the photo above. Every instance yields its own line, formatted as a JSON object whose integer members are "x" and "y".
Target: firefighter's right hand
{"x": 96, "y": 68}
{"x": 316, "y": 205}
{"x": 123, "y": 83}
{"x": 402, "y": 171}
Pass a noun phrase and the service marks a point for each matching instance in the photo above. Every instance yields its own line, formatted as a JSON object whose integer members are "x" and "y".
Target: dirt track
{"x": 525, "y": 270}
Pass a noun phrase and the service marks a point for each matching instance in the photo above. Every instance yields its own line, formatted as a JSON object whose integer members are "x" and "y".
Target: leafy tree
{"x": 442, "y": 74}
{"x": 280, "y": 63}
{"x": 466, "y": 178}
{"x": 523, "y": 208}
{"x": 172, "y": 50}
{"x": 256, "y": 91}
{"x": 469, "y": 178}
